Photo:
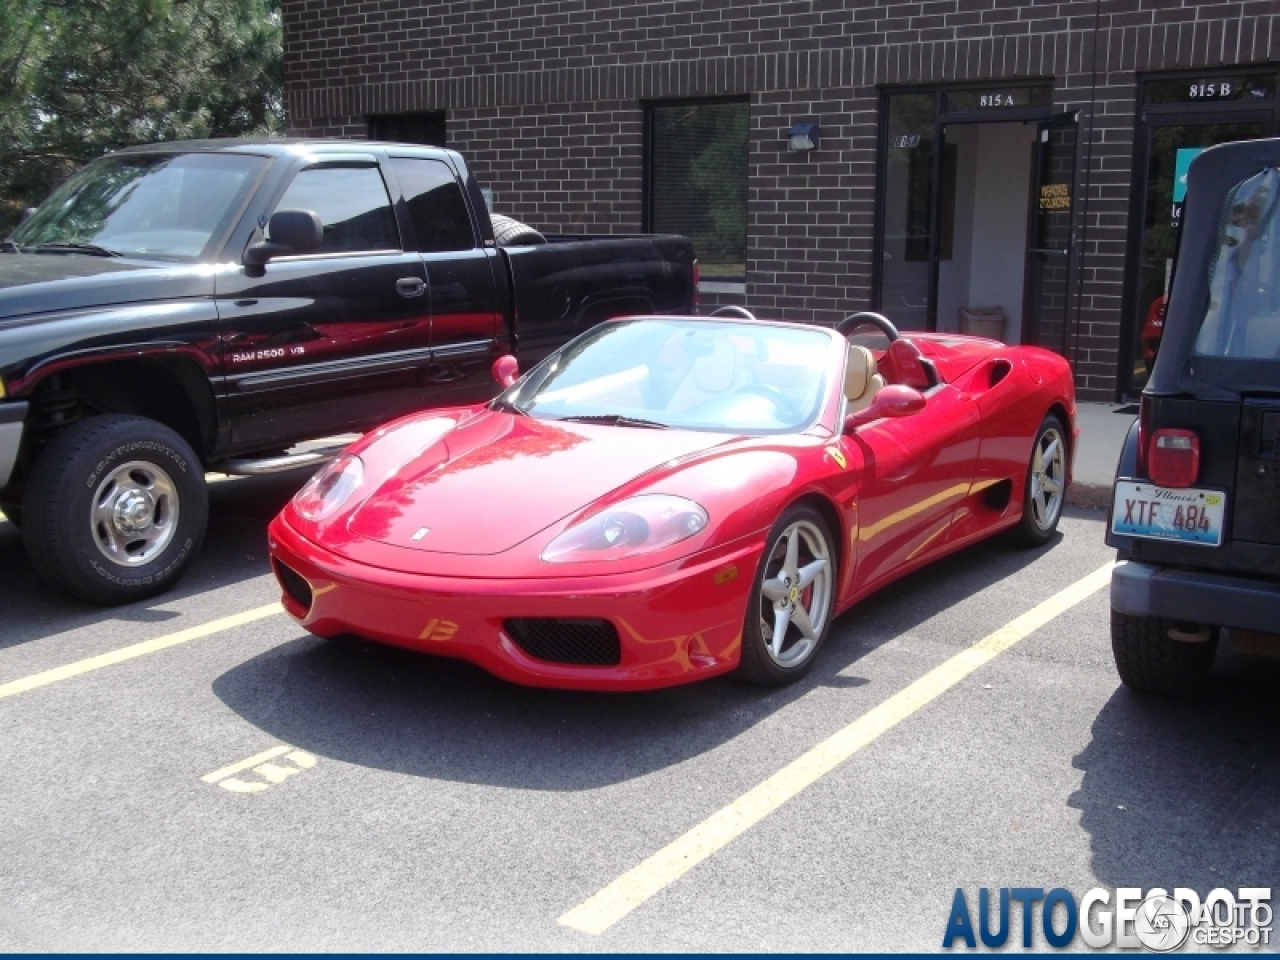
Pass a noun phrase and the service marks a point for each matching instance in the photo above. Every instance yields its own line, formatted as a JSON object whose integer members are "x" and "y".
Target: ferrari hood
{"x": 497, "y": 479}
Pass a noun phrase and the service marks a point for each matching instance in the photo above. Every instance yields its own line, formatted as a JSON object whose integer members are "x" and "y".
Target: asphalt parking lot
{"x": 245, "y": 786}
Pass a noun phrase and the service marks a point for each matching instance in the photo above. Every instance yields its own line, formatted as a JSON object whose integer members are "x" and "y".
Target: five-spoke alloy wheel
{"x": 792, "y": 602}
{"x": 1046, "y": 486}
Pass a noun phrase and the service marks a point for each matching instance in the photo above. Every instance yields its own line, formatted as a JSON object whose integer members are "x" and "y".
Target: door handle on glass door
{"x": 409, "y": 287}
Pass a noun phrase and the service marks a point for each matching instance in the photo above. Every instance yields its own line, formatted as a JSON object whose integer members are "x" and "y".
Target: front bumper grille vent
{"x": 579, "y": 641}
{"x": 293, "y": 583}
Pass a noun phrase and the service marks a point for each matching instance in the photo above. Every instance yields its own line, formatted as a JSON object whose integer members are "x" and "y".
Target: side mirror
{"x": 505, "y": 370}
{"x": 291, "y": 231}
{"x": 893, "y": 400}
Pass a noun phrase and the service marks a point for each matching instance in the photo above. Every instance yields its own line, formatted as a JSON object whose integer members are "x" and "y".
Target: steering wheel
{"x": 787, "y": 410}
{"x": 866, "y": 317}
{"x": 733, "y": 311}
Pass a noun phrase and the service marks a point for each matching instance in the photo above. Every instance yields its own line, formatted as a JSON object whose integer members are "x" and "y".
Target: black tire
{"x": 757, "y": 665}
{"x": 1149, "y": 660}
{"x": 513, "y": 233}
{"x": 1038, "y": 523}
{"x": 84, "y": 476}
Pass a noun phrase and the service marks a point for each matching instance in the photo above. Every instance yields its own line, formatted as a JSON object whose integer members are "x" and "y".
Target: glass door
{"x": 1171, "y": 146}
{"x": 1049, "y": 287}
{"x": 1182, "y": 115}
{"x": 907, "y": 214}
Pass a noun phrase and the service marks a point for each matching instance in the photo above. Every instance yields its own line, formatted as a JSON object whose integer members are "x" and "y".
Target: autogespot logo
{"x": 1154, "y": 919}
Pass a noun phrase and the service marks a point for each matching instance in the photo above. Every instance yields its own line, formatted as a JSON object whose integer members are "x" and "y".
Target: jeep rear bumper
{"x": 1220, "y": 600}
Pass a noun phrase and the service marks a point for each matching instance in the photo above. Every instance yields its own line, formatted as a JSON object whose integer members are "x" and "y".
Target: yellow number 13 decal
{"x": 440, "y": 630}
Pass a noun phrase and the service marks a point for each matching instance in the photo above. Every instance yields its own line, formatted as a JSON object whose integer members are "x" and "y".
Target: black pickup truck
{"x": 207, "y": 305}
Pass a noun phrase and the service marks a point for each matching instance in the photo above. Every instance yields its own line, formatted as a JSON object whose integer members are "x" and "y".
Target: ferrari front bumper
{"x": 675, "y": 623}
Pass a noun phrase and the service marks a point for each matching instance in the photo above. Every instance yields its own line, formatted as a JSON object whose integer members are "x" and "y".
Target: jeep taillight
{"x": 697, "y": 278}
{"x": 1173, "y": 458}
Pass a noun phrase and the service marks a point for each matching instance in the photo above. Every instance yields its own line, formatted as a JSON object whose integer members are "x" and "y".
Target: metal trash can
{"x": 983, "y": 322}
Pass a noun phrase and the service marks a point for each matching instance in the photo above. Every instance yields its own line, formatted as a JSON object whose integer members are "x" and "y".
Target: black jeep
{"x": 1195, "y": 513}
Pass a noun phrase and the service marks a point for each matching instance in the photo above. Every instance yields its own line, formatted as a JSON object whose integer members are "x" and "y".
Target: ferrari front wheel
{"x": 791, "y": 602}
{"x": 1046, "y": 487}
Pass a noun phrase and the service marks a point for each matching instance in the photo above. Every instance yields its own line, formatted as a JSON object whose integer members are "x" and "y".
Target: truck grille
{"x": 580, "y": 641}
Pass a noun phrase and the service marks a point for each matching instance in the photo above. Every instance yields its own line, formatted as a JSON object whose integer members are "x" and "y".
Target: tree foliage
{"x": 81, "y": 77}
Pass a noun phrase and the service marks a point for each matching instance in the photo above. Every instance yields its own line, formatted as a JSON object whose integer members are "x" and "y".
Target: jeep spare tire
{"x": 116, "y": 508}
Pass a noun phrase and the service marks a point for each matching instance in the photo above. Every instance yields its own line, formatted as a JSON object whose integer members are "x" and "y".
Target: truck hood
{"x": 38, "y": 283}
{"x": 498, "y": 479}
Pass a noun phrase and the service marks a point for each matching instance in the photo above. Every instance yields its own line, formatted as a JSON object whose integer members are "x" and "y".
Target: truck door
{"x": 331, "y": 341}
{"x": 466, "y": 322}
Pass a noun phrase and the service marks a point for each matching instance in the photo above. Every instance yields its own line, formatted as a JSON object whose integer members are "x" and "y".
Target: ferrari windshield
{"x": 683, "y": 373}
{"x": 153, "y": 206}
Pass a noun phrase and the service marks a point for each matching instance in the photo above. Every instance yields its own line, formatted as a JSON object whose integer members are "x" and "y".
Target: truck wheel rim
{"x": 134, "y": 515}
{"x": 1048, "y": 478}
{"x": 795, "y": 595}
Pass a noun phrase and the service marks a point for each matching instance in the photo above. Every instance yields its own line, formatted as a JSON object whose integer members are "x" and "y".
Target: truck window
{"x": 437, "y": 209}
{"x": 1243, "y": 319}
{"x": 155, "y": 206}
{"x": 351, "y": 202}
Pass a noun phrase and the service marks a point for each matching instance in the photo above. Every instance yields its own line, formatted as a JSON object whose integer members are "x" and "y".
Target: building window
{"x": 424, "y": 128}
{"x": 697, "y": 180}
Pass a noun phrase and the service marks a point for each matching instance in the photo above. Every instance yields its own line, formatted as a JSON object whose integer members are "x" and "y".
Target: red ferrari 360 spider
{"x": 670, "y": 498}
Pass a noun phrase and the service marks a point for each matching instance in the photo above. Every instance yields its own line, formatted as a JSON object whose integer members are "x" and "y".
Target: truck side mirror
{"x": 894, "y": 400}
{"x": 505, "y": 370}
{"x": 291, "y": 232}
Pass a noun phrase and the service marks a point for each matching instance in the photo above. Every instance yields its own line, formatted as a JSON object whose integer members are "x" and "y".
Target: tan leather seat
{"x": 862, "y": 381}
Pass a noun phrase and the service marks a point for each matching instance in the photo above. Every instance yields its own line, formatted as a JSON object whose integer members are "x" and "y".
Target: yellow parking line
{"x": 14, "y": 687}
{"x": 253, "y": 761}
{"x": 604, "y": 909}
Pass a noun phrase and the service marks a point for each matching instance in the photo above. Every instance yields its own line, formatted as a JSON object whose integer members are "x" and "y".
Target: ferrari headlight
{"x": 326, "y": 492}
{"x": 633, "y": 527}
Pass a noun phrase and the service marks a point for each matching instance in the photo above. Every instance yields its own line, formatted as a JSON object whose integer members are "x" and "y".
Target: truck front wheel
{"x": 1162, "y": 656}
{"x": 115, "y": 509}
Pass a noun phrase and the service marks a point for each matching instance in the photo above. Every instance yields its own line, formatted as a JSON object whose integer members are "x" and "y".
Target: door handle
{"x": 410, "y": 287}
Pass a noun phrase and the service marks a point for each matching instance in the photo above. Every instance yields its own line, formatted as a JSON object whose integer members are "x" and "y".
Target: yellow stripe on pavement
{"x": 604, "y": 909}
{"x": 90, "y": 664}
{"x": 253, "y": 761}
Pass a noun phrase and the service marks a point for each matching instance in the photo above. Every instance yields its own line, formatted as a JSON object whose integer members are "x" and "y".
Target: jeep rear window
{"x": 151, "y": 206}
{"x": 1243, "y": 317}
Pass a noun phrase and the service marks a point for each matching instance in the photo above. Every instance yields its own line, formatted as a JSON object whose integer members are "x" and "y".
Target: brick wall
{"x": 545, "y": 99}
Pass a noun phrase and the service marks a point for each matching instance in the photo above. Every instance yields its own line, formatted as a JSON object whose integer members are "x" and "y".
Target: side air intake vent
{"x": 294, "y": 584}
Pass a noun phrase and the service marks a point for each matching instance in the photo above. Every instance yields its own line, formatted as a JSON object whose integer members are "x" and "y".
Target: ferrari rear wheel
{"x": 791, "y": 603}
{"x": 1046, "y": 487}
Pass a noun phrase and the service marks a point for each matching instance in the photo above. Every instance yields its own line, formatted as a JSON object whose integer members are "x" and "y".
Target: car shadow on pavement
{"x": 235, "y": 550}
{"x": 1183, "y": 792}
{"x": 381, "y": 707}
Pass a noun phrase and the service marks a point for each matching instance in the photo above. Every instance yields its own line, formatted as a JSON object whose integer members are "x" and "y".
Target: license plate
{"x": 1160, "y": 513}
